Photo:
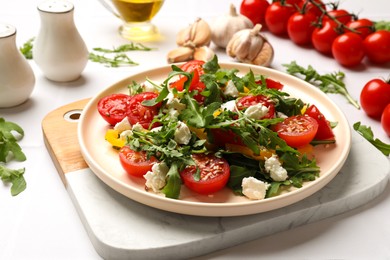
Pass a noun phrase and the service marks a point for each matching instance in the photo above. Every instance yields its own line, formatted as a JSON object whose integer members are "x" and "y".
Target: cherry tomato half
{"x": 375, "y": 96}
{"x": 113, "y": 108}
{"x": 250, "y": 100}
{"x": 141, "y": 114}
{"x": 276, "y": 17}
{"x": 297, "y": 131}
{"x": 348, "y": 49}
{"x": 385, "y": 120}
{"x": 377, "y": 46}
{"x": 324, "y": 131}
{"x": 135, "y": 163}
{"x": 300, "y": 27}
{"x": 270, "y": 83}
{"x": 254, "y": 10}
{"x": 214, "y": 174}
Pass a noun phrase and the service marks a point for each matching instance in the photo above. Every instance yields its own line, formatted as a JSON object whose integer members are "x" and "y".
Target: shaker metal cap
{"x": 55, "y": 6}
{"x": 6, "y": 30}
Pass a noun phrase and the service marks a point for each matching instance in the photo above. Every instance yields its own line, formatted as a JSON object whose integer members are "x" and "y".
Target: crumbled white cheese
{"x": 125, "y": 134}
{"x": 138, "y": 127}
{"x": 274, "y": 168}
{"x": 257, "y": 111}
{"x": 156, "y": 129}
{"x": 155, "y": 179}
{"x": 253, "y": 188}
{"x": 148, "y": 87}
{"x": 230, "y": 89}
{"x": 182, "y": 133}
{"x": 174, "y": 106}
{"x": 230, "y": 105}
{"x": 281, "y": 115}
{"x": 123, "y": 125}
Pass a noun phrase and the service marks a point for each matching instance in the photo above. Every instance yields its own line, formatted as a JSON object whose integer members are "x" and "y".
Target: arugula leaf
{"x": 27, "y": 48}
{"x": 8, "y": 141}
{"x": 237, "y": 173}
{"x": 367, "y": 133}
{"x": 382, "y": 25}
{"x": 132, "y": 46}
{"x": 328, "y": 83}
{"x": 118, "y": 60}
{"x": 15, "y": 177}
{"x": 212, "y": 66}
{"x": 172, "y": 188}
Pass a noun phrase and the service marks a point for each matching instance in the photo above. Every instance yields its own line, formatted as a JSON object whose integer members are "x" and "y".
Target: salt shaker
{"x": 59, "y": 50}
{"x": 17, "y": 79}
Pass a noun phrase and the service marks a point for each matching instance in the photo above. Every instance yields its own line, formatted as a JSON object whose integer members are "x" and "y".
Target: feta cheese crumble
{"x": 274, "y": 168}
{"x": 155, "y": 179}
{"x": 230, "y": 89}
{"x": 148, "y": 87}
{"x": 253, "y": 188}
{"x": 123, "y": 125}
{"x": 230, "y": 105}
{"x": 182, "y": 133}
{"x": 257, "y": 111}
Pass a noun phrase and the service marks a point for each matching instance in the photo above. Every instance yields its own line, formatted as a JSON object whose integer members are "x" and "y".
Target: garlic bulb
{"x": 195, "y": 35}
{"x": 223, "y": 27}
{"x": 250, "y": 46}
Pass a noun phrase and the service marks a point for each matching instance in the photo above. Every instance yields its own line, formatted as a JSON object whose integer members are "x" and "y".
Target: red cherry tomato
{"x": 135, "y": 163}
{"x": 196, "y": 67}
{"x": 309, "y": 7}
{"x": 214, "y": 174}
{"x": 341, "y": 15}
{"x": 300, "y": 27}
{"x": 254, "y": 10}
{"x": 385, "y": 120}
{"x": 139, "y": 113}
{"x": 377, "y": 46}
{"x": 375, "y": 96}
{"x": 250, "y": 100}
{"x": 323, "y": 37}
{"x": 297, "y": 131}
{"x": 113, "y": 108}
{"x": 276, "y": 17}
{"x": 363, "y": 27}
{"x": 221, "y": 137}
{"x": 348, "y": 49}
{"x": 324, "y": 131}
{"x": 270, "y": 83}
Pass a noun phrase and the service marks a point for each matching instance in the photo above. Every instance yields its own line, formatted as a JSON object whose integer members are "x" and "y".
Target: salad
{"x": 207, "y": 128}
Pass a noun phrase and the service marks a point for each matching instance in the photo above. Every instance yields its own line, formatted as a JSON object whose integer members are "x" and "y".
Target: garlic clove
{"x": 195, "y": 35}
{"x": 180, "y": 54}
{"x": 203, "y": 53}
{"x": 265, "y": 56}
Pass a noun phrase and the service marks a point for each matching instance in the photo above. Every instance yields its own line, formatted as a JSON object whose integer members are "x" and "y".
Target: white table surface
{"x": 42, "y": 223}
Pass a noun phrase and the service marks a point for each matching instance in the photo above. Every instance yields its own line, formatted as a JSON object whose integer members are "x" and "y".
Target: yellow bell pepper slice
{"x": 112, "y": 136}
{"x": 264, "y": 153}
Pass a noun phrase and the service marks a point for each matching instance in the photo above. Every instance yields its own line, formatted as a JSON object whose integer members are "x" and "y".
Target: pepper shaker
{"x": 59, "y": 51}
{"x": 17, "y": 79}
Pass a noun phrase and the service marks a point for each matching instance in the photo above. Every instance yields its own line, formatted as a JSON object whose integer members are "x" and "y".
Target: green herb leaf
{"x": 26, "y": 49}
{"x": 172, "y": 188}
{"x": 132, "y": 46}
{"x": 328, "y": 83}
{"x": 15, "y": 177}
{"x": 367, "y": 133}
{"x": 117, "y": 61}
{"x": 8, "y": 141}
{"x": 382, "y": 25}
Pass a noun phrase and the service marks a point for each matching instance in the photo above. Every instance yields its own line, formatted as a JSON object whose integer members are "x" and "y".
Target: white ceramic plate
{"x": 104, "y": 162}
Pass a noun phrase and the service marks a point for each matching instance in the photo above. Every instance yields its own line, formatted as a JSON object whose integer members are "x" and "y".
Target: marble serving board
{"x": 120, "y": 228}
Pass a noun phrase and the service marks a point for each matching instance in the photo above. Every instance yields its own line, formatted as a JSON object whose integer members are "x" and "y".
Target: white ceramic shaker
{"x": 59, "y": 50}
{"x": 17, "y": 79}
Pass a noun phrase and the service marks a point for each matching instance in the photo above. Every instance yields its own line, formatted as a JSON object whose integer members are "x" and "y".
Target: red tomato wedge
{"x": 113, "y": 108}
{"x": 324, "y": 131}
{"x": 297, "y": 131}
{"x": 135, "y": 163}
{"x": 139, "y": 113}
{"x": 214, "y": 174}
{"x": 250, "y": 100}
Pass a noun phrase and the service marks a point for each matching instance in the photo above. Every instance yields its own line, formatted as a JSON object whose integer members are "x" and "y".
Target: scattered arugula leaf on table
{"x": 124, "y": 48}
{"x": 116, "y": 61}
{"x": 9, "y": 148}
{"x": 328, "y": 83}
{"x": 382, "y": 25}
{"x": 26, "y": 48}
{"x": 367, "y": 133}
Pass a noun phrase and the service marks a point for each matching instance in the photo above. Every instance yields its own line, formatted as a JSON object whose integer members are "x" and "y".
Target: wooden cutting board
{"x": 120, "y": 228}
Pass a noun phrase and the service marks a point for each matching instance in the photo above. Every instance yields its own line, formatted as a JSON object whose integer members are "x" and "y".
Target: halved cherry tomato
{"x": 273, "y": 84}
{"x": 324, "y": 131}
{"x": 298, "y": 130}
{"x": 221, "y": 137}
{"x": 250, "y": 100}
{"x": 139, "y": 113}
{"x": 113, "y": 108}
{"x": 135, "y": 163}
{"x": 214, "y": 174}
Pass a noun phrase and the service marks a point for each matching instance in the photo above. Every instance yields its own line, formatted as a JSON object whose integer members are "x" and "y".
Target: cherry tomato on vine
{"x": 324, "y": 131}
{"x": 214, "y": 174}
{"x": 377, "y": 46}
{"x": 254, "y": 10}
{"x": 297, "y": 131}
{"x": 385, "y": 120}
{"x": 310, "y": 7}
{"x": 276, "y": 17}
{"x": 375, "y": 96}
{"x": 363, "y": 27}
{"x": 323, "y": 37}
{"x": 341, "y": 15}
{"x": 113, "y": 108}
{"x": 348, "y": 49}
{"x": 138, "y": 113}
{"x": 300, "y": 27}
{"x": 135, "y": 163}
